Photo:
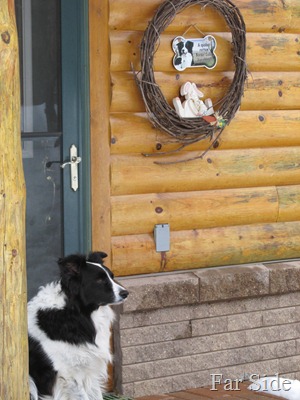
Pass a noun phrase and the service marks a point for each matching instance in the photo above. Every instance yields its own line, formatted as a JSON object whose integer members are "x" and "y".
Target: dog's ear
{"x": 69, "y": 265}
{"x": 96, "y": 256}
{"x": 70, "y": 272}
{"x": 189, "y": 45}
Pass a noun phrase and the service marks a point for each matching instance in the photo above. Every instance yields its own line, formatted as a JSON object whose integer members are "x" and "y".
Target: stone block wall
{"x": 176, "y": 329}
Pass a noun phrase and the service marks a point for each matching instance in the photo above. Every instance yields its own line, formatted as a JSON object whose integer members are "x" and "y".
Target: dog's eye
{"x": 101, "y": 277}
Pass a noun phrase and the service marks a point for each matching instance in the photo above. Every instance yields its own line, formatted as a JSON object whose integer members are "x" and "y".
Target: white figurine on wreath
{"x": 192, "y": 107}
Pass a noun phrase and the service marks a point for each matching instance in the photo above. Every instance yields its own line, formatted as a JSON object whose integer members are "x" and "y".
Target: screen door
{"x": 54, "y": 105}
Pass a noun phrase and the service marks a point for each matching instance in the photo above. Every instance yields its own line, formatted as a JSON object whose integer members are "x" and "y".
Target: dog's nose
{"x": 124, "y": 293}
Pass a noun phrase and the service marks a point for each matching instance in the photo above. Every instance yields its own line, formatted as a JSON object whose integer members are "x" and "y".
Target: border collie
{"x": 185, "y": 54}
{"x": 69, "y": 325}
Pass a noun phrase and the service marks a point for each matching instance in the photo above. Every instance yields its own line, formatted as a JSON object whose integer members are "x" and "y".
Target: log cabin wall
{"x": 241, "y": 202}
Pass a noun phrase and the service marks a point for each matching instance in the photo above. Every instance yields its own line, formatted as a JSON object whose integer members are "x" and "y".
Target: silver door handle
{"x": 74, "y": 161}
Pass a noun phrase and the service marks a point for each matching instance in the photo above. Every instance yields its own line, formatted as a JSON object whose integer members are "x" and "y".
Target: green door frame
{"x": 75, "y": 123}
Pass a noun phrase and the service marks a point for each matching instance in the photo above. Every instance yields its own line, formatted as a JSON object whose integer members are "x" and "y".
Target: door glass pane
{"x": 38, "y": 24}
{"x": 43, "y": 215}
{"x": 39, "y": 37}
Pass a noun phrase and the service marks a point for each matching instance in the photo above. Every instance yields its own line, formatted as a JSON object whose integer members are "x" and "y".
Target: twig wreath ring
{"x": 160, "y": 113}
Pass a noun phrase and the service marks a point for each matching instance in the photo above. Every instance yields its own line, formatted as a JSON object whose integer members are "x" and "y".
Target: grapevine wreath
{"x": 161, "y": 114}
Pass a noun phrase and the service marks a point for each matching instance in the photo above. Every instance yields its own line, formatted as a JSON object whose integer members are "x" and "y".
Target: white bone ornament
{"x": 193, "y": 106}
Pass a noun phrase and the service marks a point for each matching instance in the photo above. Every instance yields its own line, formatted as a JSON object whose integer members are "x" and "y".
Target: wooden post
{"x": 13, "y": 315}
{"x": 100, "y": 93}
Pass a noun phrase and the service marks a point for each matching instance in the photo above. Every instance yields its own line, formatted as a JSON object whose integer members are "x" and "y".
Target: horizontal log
{"x": 265, "y": 51}
{"x": 263, "y": 90}
{"x": 259, "y": 16}
{"x": 136, "y": 174}
{"x": 289, "y": 201}
{"x": 133, "y": 133}
{"x": 135, "y": 254}
{"x": 138, "y": 214}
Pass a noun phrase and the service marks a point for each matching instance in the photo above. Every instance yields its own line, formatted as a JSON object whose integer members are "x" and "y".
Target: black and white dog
{"x": 185, "y": 54}
{"x": 69, "y": 325}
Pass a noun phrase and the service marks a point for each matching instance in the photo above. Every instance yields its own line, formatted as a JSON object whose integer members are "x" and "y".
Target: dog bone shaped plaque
{"x": 194, "y": 52}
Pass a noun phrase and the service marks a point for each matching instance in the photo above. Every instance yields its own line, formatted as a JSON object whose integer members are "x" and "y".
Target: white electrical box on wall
{"x": 162, "y": 237}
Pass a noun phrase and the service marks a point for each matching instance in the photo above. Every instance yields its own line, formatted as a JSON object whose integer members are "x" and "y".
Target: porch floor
{"x": 207, "y": 394}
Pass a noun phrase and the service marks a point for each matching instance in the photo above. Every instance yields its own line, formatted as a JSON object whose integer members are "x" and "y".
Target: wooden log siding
{"x": 265, "y": 51}
{"x": 241, "y": 203}
{"x": 207, "y": 209}
{"x": 223, "y": 169}
{"x": 260, "y": 16}
{"x": 275, "y": 91}
{"x": 207, "y": 247}
{"x": 249, "y": 129}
